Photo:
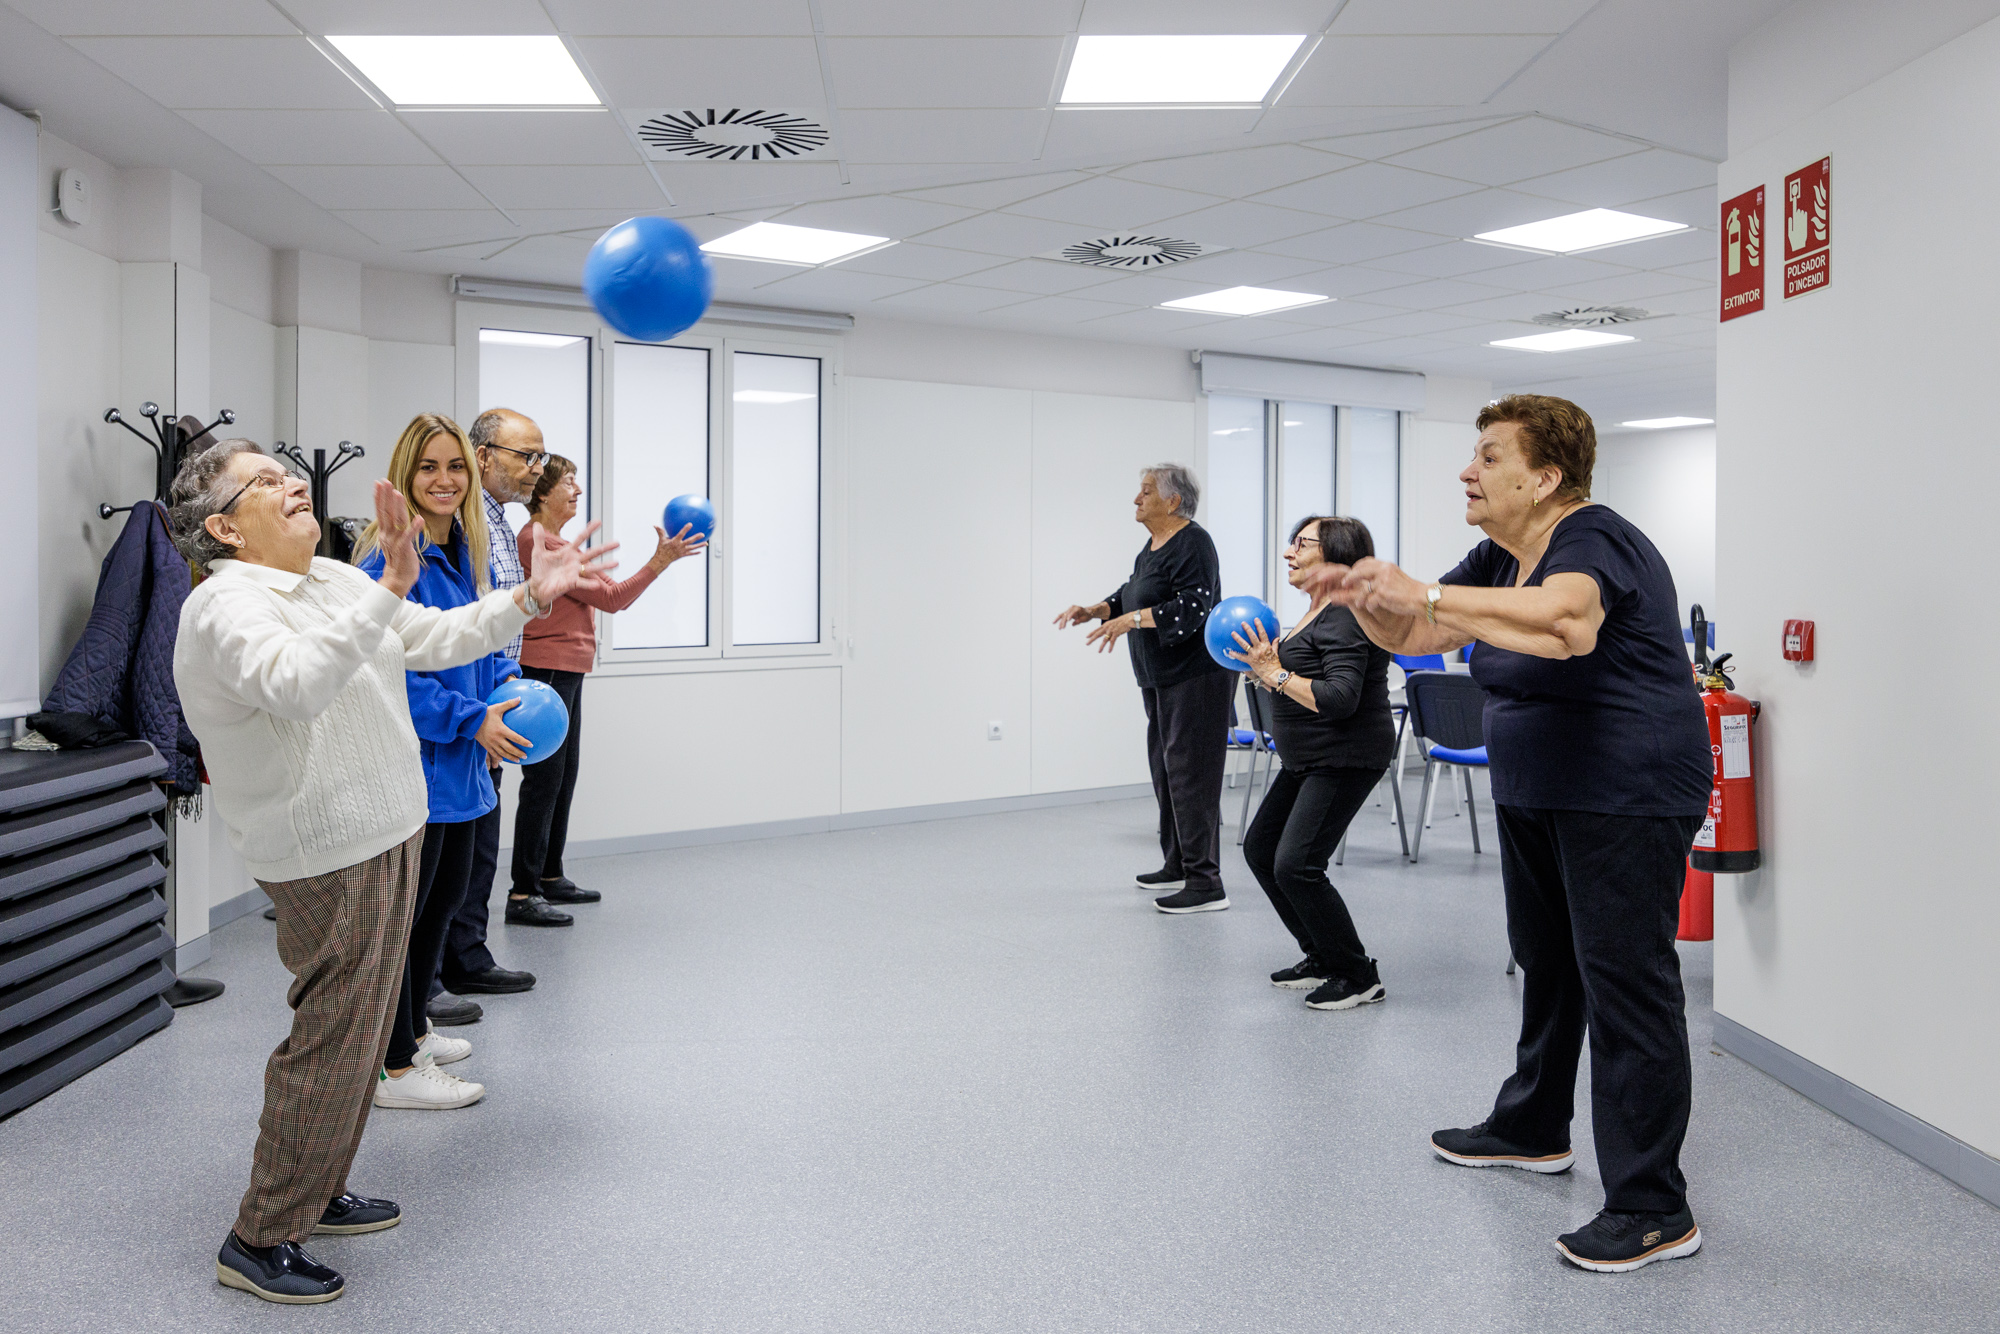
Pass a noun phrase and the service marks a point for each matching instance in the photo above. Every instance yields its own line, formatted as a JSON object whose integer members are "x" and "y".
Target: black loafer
{"x": 355, "y": 1213}
{"x": 565, "y": 890}
{"x": 283, "y": 1273}
{"x": 450, "y": 1011}
{"x": 535, "y": 911}
{"x": 493, "y": 982}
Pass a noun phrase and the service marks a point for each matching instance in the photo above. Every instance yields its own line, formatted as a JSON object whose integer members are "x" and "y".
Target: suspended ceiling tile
{"x": 1342, "y": 313}
{"x": 1086, "y": 134}
{"x": 505, "y": 138}
{"x": 1317, "y": 345}
{"x": 554, "y": 260}
{"x": 1246, "y": 268}
{"x": 412, "y": 228}
{"x": 380, "y": 187}
{"x": 1412, "y": 322}
{"x": 1346, "y": 281}
{"x": 1172, "y": 17}
{"x": 1058, "y": 313}
{"x": 727, "y": 185}
{"x": 1242, "y": 224}
{"x": 182, "y": 72}
{"x": 1515, "y": 308}
{"x": 432, "y": 17}
{"x": 1237, "y": 172}
{"x": 1699, "y": 299}
{"x": 1043, "y": 277}
{"x": 1144, "y": 323}
{"x": 946, "y": 136}
{"x": 836, "y": 286}
{"x": 592, "y": 222}
{"x": 1698, "y": 207}
{"x": 1409, "y": 71}
{"x": 1660, "y": 252}
{"x": 1351, "y": 244}
{"x": 1150, "y": 289}
{"x": 1108, "y": 204}
{"x": 706, "y": 71}
{"x": 1629, "y": 290}
{"x": 650, "y": 18}
{"x": 1539, "y": 273}
{"x": 944, "y": 71}
{"x": 1514, "y": 150}
{"x": 950, "y": 18}
{"x": 1618, "y": 182}
{"x": 1004, "y": 235}
{"x": 1366, "y": 191}
{"x": 1438, "y": 293}
{"x": 568, "y": 187}
{"x": 1436, "y": 17}
{"x": 875, "y": 215}
{"x": 952, "y": 298}
{"x": 317, "y": 138}
{"x": 999, "y": 193}
{"x": 1470, "y": 214}
{"x": 927, "y": 262}
{"x": 107, "y": 18}
{"x": 1449, "y": 260}
{"x": 1374, "y": 145}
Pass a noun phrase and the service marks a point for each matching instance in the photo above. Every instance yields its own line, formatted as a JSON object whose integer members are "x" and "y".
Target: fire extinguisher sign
{"x": 1743, "y": 254}
{"x": 1807, "y": 206}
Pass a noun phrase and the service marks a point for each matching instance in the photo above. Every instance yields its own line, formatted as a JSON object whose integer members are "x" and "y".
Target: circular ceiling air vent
{"x": 1592, "y": 317}
{"x": 735, "y": 135}
{"x": 1131, "y": 252}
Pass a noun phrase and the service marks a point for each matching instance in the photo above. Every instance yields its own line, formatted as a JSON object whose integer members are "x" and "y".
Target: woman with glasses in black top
{"x": 1330, "y": 718}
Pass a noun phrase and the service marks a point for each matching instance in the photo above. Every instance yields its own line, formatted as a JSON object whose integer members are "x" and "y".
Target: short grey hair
{"x": 486, "y": 427}
{"x": 196, "y": 495}
{"x": 1175, "y": 482}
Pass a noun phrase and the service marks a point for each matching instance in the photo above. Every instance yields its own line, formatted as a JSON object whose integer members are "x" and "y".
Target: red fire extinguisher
{"x": 1727, "y": 840}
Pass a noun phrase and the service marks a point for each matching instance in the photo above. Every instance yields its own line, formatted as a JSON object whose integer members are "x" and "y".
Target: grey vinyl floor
{"x": 959, "y": 1076}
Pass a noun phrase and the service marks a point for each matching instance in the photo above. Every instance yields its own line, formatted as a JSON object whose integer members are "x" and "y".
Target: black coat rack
{"x": 172, "y": 441}
{"x": 318, "y": 472}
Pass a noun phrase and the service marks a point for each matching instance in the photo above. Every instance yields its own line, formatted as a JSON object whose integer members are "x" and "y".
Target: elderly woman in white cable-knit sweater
{"x": 290, "y": 670}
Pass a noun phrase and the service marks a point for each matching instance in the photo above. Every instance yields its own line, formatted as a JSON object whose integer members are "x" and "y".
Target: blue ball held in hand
{"x": 541, "y": 716}
{"x": 1229, "y": 616}
{"x": 683, "y": 511}
{"x": 648, "y": 278}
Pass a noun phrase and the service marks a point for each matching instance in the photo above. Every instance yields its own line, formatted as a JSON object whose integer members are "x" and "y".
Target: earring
{"x": 1534, "y": 501}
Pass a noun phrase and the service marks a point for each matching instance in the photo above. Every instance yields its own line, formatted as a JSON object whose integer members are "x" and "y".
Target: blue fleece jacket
{"x": 448, "y": 707}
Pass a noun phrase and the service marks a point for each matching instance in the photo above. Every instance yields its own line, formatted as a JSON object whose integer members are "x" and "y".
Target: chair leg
{"x": 1423, "y": 809}
{"x": 1396, "y": 796}
{"x": 1430, "y": 791}
{"x": 1470, "y": 813}
{"x": 1396, "y": 766}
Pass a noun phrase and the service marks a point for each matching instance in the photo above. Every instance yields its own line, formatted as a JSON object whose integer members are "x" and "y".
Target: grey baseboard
{"x": 1951, "y": 1158}
{"x": 822, "y": 824}
{"x": 249, "y": 901}
{"x": 192, "y": 955}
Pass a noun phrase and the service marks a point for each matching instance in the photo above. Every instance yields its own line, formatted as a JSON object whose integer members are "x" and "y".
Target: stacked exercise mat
{"x": 83, "y": 949}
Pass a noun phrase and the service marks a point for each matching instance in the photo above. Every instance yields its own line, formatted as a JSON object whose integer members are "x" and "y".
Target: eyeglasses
{"x": 535, "y": 460}
{"x": 1301, "y": 541}
{"x": 273, "y": 480}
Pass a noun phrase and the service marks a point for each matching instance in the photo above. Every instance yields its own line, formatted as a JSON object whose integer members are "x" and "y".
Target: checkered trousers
{"x": 343, "y": 935}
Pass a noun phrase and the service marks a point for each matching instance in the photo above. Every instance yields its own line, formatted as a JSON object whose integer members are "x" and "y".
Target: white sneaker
{"x": 426, "y": 1088}
{"x": 441, "y": 1049}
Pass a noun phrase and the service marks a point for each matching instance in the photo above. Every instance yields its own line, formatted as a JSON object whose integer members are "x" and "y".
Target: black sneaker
{"x": 1156, "y": 881}
{"x": 1342, "y": 993}
{"x": 1614, "y": 1243}
{"x": 1304, "y": 975}
{"x": 283, "y": 1273}
{"x": 352, "y": 1213}
{"x": 1474, "y": 1147}
{"x": 1193, "y": 900}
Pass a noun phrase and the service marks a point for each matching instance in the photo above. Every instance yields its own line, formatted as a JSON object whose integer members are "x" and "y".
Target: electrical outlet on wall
{"x": 993, "y": 731}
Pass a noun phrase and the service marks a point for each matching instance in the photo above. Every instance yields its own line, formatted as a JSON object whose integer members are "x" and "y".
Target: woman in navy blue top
{"x": 434, "y": 467}
{"x": 1601, "y": 772}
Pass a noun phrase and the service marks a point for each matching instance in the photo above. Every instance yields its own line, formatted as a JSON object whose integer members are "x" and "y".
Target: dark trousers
{"x": 1593, "y": 904}
{"x": 1187, "y": 741}
{"x": 465, "y": 951}
{"x": 1288, "y": 845}
{"x": 447, "y": 866}
{"x": 541, "y": 822}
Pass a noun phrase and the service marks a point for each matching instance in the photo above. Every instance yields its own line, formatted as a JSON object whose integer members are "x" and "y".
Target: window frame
{"x": 721, "y": 340}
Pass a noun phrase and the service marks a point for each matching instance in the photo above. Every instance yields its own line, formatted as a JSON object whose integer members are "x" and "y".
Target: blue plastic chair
{"x": 1447, "y": 709}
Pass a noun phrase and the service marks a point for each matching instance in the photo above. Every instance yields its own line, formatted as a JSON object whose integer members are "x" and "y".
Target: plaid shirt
{"x": 506, "y": 553}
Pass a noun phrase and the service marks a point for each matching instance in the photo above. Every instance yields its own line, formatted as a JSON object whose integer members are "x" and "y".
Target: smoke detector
{"x": 1131, "y": 251}
{"x": 1592, "y": 317}
{"x": 733, "y": 134}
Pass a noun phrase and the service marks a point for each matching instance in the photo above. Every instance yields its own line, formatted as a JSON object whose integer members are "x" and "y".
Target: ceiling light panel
{"x": 469, "y": 71}
{"x": 1176, "y": 71}
{"x": 1592, "y": 229}
{"x": 1666, "y": 423}
{"x": 808, "y": 247}
{"x": 1567, "y": 340}
{"x": 1245, "y": 301}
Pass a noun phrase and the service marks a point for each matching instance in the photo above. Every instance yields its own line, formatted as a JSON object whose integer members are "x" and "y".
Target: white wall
{"x": 1853, "y": 437}
{"x": 1664, "y": 481}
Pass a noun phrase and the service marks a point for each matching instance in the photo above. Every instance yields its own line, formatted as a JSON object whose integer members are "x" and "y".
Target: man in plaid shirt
{"x": 510, "y": 452}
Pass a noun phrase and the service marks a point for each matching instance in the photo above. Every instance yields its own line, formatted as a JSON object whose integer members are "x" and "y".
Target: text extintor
{"x": 1743, "y": 254}
{"x": 1808, "y": 207}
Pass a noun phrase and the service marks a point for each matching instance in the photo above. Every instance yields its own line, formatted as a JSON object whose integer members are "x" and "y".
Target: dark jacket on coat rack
{"x": 121, "y": 671}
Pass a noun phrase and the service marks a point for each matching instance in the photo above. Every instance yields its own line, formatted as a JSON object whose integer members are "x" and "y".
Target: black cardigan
{"x": 1350, "y": 683}
{"x": 1180, "y": 582}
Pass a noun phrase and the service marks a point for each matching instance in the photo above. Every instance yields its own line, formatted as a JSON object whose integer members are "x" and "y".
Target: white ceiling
{"x": 1414, "y": 124}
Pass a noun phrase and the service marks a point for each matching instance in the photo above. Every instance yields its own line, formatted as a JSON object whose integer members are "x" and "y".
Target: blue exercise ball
{"x": 1229, "y": 616}
{"x": 648, "y": 278}
{"x": 541, "y": 716}
{"x": 683, "y": 511}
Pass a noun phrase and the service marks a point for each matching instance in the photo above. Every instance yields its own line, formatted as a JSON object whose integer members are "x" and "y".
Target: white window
{"x": 544, "y": 376}
{"x": 659, "y": 450}
{"x": 1233, "y": 509}
{"x": 774, "y": 543}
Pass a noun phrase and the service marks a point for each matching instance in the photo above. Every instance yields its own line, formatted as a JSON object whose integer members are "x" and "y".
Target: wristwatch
{"x": 529, "y": 605}
{"x": 1431, "y": 596}
{"x": 1283, "y": 676}
{"x": 1136, "y": 623}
